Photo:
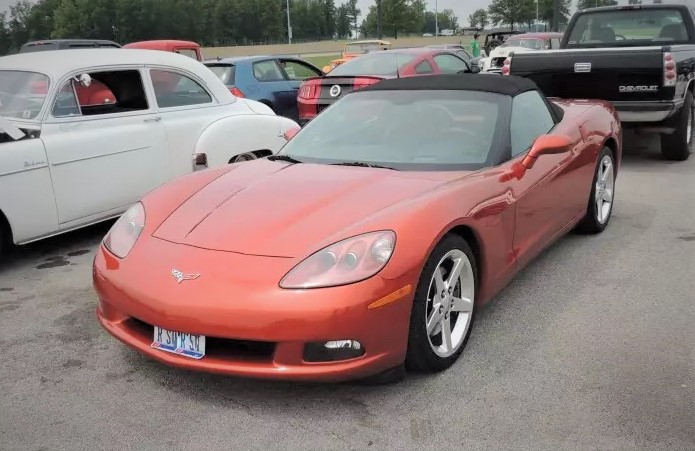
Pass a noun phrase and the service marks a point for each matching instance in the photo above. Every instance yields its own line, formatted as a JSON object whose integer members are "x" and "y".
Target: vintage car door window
{"x": 191, "y": 53}
{"x": 172, "y": 89}
{"x": 66, "y": 102}
{"x": 449, "y": 64}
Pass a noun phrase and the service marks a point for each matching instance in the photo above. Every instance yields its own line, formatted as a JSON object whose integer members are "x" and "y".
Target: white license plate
{"x": 180, "y": 343}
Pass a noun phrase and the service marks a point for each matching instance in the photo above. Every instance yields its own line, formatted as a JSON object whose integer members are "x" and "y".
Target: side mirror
{"x": 546, "y": 145}
{"x": 84, "y": 80}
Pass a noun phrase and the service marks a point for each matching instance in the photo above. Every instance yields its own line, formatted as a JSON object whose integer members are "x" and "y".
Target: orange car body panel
{"x": 168, "y": 45}
{"x": 243, "y": 227}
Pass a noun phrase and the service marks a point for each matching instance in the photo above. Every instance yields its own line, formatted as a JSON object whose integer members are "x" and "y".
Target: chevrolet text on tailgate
{"x": 641, "y": 58}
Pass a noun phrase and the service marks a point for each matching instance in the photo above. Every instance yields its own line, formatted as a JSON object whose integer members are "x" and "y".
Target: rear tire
{"x": 598, "y": 214}
{"x": 446, "y": 305}
{"x": 679, "y": 145}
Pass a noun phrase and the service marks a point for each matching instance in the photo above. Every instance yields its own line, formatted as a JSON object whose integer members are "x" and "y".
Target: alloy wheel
{"x": 605, "y": 185}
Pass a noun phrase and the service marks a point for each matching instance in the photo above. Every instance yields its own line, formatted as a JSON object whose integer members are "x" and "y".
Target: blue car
{"x": 273, "y": 80}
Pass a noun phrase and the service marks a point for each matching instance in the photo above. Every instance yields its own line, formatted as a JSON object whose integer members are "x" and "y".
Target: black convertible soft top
{"x": 506, "y": 85}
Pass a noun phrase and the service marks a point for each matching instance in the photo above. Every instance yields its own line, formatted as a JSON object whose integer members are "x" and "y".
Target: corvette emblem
{"x": 180, "y": 277}
{"x": 335, "y": 91}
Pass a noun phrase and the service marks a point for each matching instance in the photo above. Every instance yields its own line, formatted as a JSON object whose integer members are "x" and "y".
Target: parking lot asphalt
{"x": 591, "y": 347}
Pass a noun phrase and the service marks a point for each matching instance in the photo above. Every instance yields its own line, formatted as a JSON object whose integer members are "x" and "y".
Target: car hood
{"x": 272, "y": 209}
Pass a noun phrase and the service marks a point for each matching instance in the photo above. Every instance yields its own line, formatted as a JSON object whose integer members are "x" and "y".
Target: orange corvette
{"x": 368, "y": 243}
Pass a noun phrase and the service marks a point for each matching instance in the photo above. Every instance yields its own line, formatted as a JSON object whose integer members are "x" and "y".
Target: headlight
{"x": 347, "y": 261}
{"x": 125, "y": 231}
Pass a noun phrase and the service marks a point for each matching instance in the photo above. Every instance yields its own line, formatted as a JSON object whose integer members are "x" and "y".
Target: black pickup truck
{"x": 641, "y": 58}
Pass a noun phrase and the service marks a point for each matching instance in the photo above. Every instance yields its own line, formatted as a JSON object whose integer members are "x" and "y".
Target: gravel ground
{"x": 591, "y": 347}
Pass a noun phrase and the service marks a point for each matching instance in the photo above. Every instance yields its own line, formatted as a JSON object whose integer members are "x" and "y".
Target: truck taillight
{"x": 670, "y": 74}
{"x": 507, "y": 66}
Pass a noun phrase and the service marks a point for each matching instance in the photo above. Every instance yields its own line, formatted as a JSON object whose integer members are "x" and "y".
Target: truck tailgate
{"x": 610, "y": 74}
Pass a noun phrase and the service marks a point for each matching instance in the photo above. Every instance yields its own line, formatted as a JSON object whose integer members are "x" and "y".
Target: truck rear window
{"x": 626, "y": 28}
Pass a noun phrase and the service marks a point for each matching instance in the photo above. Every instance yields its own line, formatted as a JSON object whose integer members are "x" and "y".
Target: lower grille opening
{"x": 223, "y": 348}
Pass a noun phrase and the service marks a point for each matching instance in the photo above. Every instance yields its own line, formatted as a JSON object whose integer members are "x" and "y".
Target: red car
{"x": 367, "y": 244}
{"x": 317, "y": 93}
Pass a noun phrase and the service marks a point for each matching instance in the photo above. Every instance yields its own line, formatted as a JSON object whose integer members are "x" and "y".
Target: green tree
{"x": 18, "y": 24}
{"x": 5, "y": 40}
{"x": 512, "y": 12}
{"x": 586, "y": 4}
{"x": 547, "y": 7}
{"x": 353, "y": 13}
{"x": 343, "y": 22}
{"x": 478, "y": 18}
{"x": 399, "y": 16}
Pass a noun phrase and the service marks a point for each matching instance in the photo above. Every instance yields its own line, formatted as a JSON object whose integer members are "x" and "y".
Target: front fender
{"x": 234, "y": 135}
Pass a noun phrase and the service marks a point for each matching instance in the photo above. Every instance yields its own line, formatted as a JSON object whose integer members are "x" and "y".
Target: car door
{"x": 448, "y": 63}
{"x": 296, "y": 71}
{"x": 543, "y": 192}
{"x": 186, "y": 108}
{"x": 274, "y": 87}
{"x": 103, "y": 156}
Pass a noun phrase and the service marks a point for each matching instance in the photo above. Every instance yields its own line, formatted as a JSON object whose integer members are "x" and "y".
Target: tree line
{"x": 211, "y": 23}
{"x": 523, "y": 12}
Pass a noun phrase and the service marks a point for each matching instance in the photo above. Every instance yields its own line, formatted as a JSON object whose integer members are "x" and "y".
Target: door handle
{"x": 153, "y": 119}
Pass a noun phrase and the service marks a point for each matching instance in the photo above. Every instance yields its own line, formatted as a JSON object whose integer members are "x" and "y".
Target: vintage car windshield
{"x": 413, "y": 130}
{"x": 527, "y": 43}
{"x": 383, "y": 64}
{"x": 362, "y": 48}
{"x": 627, "y": 28}
{"x": 22, "y": 93}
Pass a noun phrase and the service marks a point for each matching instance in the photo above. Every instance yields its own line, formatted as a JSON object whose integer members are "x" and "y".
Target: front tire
{"x": 601, "y": 200}
{"x": 443, "y": 307}
{"x": 679, "y": 145}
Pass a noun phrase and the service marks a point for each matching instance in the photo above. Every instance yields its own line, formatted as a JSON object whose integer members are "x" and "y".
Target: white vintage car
{"x": 524, "y": 42}
{"x": 85, "y": 133}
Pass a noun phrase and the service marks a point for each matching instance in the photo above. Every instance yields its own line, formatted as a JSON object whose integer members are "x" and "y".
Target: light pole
{"x": 289, "y": 26}
{"x": 436, "y": 18}
{"x": 536, "y": 24}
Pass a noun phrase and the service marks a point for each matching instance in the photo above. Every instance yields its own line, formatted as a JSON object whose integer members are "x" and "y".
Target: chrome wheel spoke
{"x": 434, "y": 320}
{"x": 446, "y": 335}
{"x": 439, "y": 281}
{"x": 455, "y": 274}
{"x": 607, "y": 170}
{"x": 461, "y": 305}
{"x": 607, "y": 195}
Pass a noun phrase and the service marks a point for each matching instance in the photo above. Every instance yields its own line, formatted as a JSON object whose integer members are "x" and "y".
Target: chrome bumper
{"x": 646, "y": 111}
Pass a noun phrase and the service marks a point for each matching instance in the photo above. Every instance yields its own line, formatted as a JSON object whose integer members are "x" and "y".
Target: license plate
{"x": 188, "y": 345}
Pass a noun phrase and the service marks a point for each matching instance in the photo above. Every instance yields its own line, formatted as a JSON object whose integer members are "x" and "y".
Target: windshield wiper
{"x": 286, "y": 158}
{"x": 364, "y": 165}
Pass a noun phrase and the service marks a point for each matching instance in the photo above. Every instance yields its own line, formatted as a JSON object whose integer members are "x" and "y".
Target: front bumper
{"x": 653, "y": 111}
{"x": 252, "y": 327}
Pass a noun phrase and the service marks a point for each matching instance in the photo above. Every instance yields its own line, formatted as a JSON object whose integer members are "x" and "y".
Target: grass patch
{"x": 321, "y": 61}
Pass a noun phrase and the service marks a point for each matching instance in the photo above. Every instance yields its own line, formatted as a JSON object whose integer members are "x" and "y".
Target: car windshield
{"x": 416, "y": 130}
{"x": 224, "y": 72}
{"x": 625, "y": 28}
{"x": 385, "y": 64}
{"x": 22, "y": 93}
{"x": 527, "y": 43}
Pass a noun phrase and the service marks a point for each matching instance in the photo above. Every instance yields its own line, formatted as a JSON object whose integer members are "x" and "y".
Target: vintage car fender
{"x": 27, "y": 201}
{"x": 262, "y": 134}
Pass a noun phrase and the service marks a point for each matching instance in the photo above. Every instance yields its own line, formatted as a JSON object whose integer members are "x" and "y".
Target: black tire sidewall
{"x": 675, "y": 146}
{"x": 420, "y": 356}
{"x": 591, "y": 222}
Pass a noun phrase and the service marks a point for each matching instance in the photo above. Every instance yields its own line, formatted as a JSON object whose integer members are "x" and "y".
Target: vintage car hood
{"x": 273, "y": 209}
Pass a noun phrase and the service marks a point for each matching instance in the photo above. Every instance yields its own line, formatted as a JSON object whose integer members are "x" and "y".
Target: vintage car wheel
{"x": 601, "y": 200}
{"x": 443, "y": 308}
{"x": 248, "y": 156}
{"x": 679, "y": 145}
